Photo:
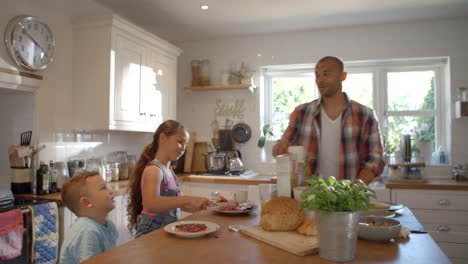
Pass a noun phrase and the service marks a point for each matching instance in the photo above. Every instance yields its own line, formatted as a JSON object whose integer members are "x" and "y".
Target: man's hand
{"x": 281, "y": 147}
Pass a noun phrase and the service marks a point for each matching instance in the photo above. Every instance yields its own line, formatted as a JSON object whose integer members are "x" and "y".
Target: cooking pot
{"x": 215, "y": 160}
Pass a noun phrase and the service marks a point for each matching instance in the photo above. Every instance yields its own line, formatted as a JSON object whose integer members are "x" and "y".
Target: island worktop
{"x": 225, "y": 246}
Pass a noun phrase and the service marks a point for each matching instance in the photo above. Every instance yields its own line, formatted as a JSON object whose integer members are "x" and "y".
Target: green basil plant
{"x": 334, "y": 195}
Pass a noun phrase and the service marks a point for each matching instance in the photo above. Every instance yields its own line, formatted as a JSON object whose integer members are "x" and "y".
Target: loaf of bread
{"x": 281, "y": 214}
{"x": 309, "y": 228}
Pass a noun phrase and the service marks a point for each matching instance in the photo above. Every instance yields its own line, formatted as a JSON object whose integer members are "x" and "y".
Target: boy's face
{"x": 99, "y": 196}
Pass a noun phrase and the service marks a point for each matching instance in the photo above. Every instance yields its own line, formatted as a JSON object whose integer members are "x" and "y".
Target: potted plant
{"x": 267, "y": 132}
{"x": 337, "y": 205}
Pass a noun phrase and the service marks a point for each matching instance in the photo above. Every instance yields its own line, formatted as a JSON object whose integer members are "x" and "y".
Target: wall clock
{"x": 29, "y": 42}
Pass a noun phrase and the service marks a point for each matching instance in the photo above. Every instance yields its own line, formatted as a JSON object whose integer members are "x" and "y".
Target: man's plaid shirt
{"x": 361, "y": 145}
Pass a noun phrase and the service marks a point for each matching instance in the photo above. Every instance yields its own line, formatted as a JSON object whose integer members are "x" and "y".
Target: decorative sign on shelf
{"x": 234, "y": 110}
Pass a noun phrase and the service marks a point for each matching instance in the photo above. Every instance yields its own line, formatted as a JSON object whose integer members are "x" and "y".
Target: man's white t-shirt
{"x": 329, "y": 146}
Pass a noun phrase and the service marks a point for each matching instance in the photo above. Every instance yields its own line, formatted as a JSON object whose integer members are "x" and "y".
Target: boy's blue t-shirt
{"x": 87, "y": 238}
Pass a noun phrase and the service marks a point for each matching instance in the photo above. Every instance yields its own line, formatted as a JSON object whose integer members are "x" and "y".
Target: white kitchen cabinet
{"x": 443, "y": 214}
{"x": 124, "y": 77}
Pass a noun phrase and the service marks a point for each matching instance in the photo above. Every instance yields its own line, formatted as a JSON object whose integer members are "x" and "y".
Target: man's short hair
{"x": 75, "y": 188}
{"x": 335, "y": 59}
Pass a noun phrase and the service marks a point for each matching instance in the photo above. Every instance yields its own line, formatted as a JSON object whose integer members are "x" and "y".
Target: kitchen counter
{"x": 430, "y": 185}
{"x": 226, "y": 246}
{"x": 121, "y": 187}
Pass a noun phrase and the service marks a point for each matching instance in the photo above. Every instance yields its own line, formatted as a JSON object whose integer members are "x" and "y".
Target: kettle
{"x": 234, "y": 162}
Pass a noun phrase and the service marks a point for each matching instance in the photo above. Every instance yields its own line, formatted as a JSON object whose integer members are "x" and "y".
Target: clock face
{"x": 30, "y": 42}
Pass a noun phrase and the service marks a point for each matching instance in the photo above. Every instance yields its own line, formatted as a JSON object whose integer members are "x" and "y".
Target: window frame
{"x": 379, "y": 70}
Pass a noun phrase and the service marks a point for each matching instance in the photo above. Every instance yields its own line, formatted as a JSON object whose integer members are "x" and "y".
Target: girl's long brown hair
{"x": 135, "y": 205}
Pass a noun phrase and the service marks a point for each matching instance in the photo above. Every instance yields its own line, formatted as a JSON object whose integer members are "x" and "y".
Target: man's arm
{"x": 290, "y": 134}
{"x": 374, "y": 163}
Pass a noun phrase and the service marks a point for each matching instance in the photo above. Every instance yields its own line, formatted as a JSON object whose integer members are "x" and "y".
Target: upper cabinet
{"x": 124, "y": 77}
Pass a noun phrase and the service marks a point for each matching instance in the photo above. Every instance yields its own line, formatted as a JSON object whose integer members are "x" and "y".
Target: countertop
{"x": 226, "y": 246}
{"x": 430, "y": 185}
{"x": 121, "y": 187}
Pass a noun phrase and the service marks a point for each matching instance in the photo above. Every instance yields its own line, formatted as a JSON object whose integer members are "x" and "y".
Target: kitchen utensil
{"x": 25, "y": 138}
{"x": 234, "y": 162}
{"x": 198, "y": 162}
{"x": 241, "y": 132}
{"x": 215, "y": 160}
{"x": 189, "y": 152}
{"x": 290, "y": 241}
{"x": 225, "y": 140}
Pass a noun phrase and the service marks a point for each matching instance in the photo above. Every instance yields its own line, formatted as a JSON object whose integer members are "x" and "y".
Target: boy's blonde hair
{"x": 75, "y": 188}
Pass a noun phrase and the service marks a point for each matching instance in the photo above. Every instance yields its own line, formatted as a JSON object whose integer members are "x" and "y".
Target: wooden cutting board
{"x": 189, "y": 152}
{"x": 290, "y": 241}
{"x": 198, "y": 162}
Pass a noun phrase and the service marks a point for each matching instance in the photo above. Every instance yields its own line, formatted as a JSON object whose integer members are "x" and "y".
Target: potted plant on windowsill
{"x": 337, "y": 205}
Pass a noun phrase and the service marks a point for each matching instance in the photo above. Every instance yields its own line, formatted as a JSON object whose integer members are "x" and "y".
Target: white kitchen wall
{"x": 52, "y": 101}
{"x": 444, "y": 37}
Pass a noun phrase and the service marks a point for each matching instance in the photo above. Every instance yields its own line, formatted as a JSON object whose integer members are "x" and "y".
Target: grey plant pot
{"x": 338, "y": 234}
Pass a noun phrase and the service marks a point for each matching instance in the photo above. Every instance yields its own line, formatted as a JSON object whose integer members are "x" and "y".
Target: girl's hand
{"x": 197, "y": 203}
{"x": 221, "y": 199}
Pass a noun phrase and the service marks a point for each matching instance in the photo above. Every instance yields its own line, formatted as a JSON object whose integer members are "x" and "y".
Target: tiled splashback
{"x": 68, "y": 145}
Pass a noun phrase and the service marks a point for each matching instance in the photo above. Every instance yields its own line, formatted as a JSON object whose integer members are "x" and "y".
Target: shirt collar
{"x": 317, "y": 103}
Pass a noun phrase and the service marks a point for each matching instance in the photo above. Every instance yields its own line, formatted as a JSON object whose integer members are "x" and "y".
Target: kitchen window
{"x": 408, "y": 96}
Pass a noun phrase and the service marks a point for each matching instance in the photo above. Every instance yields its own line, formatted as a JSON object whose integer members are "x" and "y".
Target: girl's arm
{"x": 154, "y": 203}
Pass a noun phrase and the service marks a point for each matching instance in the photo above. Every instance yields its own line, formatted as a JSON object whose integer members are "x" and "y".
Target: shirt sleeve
{"x": 291, "y": 134}
{"x": 375, "y": 161}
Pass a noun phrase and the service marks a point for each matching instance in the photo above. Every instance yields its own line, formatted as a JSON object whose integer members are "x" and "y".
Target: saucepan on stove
{"x": 215, "y": 160}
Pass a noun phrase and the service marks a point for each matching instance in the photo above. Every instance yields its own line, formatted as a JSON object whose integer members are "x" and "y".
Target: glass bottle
{"x": 53, "y": 176}
{"x": 42, "y": 179}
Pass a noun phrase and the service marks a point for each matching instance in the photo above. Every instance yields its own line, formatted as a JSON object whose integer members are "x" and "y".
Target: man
{"x": 341, "y": 135}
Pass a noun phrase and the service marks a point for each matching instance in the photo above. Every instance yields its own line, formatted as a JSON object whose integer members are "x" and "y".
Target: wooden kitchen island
{"x": 225, "y": 246}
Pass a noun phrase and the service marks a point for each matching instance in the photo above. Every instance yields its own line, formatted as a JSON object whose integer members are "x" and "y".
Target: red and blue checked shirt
{"x": 361, "y": 145}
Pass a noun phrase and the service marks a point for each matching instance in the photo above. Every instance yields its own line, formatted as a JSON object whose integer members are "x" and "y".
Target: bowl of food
{"x": 378, "y": 228}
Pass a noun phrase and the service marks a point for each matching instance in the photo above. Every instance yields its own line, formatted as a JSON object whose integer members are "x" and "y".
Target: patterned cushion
{"x": 45, "y": 232}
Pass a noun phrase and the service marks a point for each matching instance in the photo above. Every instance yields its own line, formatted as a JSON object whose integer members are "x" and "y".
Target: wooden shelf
{"x": 220, "y": 87}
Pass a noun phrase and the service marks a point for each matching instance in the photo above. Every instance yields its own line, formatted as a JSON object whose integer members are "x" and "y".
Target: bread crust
{"x": 281, "y": 214}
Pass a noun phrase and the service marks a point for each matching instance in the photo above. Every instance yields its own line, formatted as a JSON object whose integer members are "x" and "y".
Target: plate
{"x": 218, "y": 208}
{"x": 378, "y": 213}
{"x": 241, "y": 132}
{"x": 391, "y": 207}
{"x": 171, "y": 228}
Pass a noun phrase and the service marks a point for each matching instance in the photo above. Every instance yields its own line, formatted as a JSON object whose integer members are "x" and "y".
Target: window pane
{"x": 411, "y": 90}
{"x": 288, "y": 93}
{"x": 420, "y": 128}
{"x": 358, "y": 86}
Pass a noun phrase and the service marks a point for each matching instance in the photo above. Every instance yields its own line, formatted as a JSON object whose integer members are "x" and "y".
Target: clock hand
{"x": 29, "y": 35}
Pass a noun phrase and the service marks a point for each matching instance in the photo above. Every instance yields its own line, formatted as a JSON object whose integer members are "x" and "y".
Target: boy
{"x": 88, "y": 197}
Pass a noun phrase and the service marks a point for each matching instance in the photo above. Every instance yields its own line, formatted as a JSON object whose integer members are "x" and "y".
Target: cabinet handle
{"x": 444, "y": 202}
{"x": 443, "y": 228}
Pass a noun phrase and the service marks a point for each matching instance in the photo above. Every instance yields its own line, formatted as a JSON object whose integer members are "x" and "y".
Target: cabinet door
{"x": 162, "y": 91}
{"x": 130, "y": 60}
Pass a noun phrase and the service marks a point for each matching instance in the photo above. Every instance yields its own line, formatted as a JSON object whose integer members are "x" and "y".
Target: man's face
{"x": 98, "y": 194}
{"x": 328, "y": 77}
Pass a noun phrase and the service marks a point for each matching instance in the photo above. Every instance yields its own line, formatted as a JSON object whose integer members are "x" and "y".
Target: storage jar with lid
{"x": 131, "y": 160}
{"x": 204, "y": 73}
{"x": 112, "y": 172}
{"x": 123, "y": 165}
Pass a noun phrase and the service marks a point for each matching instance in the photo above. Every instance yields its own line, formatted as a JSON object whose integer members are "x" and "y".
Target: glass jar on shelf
{"x": 131, "y": 160}
{"x": 123, "y": 165}
{"x": 204, "y": 73}
{"x": 112, "y": 172}
{"x": 96, "y": 164}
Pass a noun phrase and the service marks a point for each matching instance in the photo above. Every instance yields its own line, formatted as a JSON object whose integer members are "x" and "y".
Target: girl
{"x": 155, "y": 199}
